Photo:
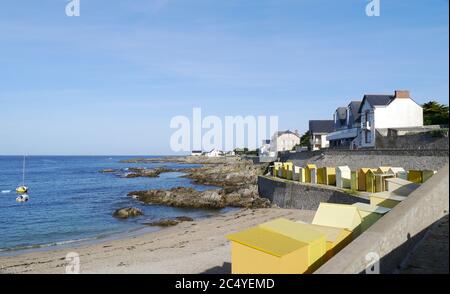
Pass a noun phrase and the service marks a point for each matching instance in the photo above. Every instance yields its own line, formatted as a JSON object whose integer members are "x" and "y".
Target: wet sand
{"x": 188, "y": 248}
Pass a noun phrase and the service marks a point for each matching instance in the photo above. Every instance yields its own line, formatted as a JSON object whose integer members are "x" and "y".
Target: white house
{"x": 318, "y": 131}
{"x": 359, "y": 124}
{"x": 196, "y": 153}
{"x": 387, "y": 111}
{"x": 214, "y": 153}
{"x": 284, "y": 141}
{"x": 265, "y": 147}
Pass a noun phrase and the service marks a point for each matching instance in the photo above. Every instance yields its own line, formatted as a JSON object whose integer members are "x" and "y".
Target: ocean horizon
{"x": 71, "y": 201}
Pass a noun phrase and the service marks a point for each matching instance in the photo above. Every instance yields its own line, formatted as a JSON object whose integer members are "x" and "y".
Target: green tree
{"x": 304, "y": 140}
{"x": 435, "y": 113}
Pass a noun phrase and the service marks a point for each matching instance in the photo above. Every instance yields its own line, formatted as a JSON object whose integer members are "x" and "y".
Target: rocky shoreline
{"x": 235, "y": 177}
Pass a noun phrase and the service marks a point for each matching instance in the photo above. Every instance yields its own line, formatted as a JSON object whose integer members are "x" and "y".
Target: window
{"x": 368, "y": 137}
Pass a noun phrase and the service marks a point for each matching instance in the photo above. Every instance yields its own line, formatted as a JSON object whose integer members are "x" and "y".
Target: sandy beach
{"x": 188, "y": 248}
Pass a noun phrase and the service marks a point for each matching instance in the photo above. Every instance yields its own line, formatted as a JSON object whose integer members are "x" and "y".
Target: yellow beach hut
{"x": 339, "y": 222}
{"x": 276, "y": 168}
{"x": 362, "y": 173}
{"x": 399, "y": 172}
{"x": 311, "y": 173}
{"x": 370, "y": 180}
{"x": 260, "y": 251}
{"x": 381, "y": 175}
{"x": 288, "y": 170}
{"x": 326, "y": 176}
{"x": 338, "y": 216}
{"x": 299, "y": 174}
{"x": 304, "y": 233}
{"x": 336, "y": 239}
{"x": 343, "y": 177}
{"x": 370, "y": 214}
{"x": 415, "y": 176}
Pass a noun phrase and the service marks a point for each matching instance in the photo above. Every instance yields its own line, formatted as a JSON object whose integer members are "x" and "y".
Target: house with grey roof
{"x": 362, "y": 122}
{"x": 346, "y": 125}
{"x": 318, "y": 131}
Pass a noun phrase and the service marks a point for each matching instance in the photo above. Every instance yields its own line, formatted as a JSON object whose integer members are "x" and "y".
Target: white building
{"x": 265, "y": 148}
{"x": 358, "y": 125}
{"x": 318, "y": 131}
{"x": 214, "y": 153}
{"x": 196, "y": 153}
{"x": 284, "y": 141}
{"x": 387, "y": 111}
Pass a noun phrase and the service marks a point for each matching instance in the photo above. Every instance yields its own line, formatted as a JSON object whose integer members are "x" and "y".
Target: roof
{"x": 296, "y": 231}
{"x": 287, "y": 132}
{"x": 376, "y": 100}
{"x": 267, "y": 241}
{"x": 371, "y": 208}
{"x": 337, "y": 215}
{"x": 354, "y": 108}
{"x": 331, "y": 234}
{"x": 388, "y": 196}
{"x": 321, "y": 126}
{"x": 341, "y": 113}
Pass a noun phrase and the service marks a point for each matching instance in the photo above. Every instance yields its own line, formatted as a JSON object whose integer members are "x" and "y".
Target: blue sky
{"x": 109, "y": 81}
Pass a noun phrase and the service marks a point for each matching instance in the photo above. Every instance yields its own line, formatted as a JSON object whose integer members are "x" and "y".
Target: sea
{"x": 71, "y": 201}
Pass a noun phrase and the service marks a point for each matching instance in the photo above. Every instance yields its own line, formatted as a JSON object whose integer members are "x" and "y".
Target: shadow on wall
{"x": 431, "y": 254}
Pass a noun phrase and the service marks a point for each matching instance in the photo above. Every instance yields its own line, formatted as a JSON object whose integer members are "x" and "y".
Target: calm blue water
{"x": 70, "y": 200}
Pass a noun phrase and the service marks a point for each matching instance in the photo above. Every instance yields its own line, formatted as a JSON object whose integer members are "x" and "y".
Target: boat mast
{"x": 23, "y": 172}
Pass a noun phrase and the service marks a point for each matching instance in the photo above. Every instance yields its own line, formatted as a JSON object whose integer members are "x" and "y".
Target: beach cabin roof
{"x": 311, "y": 166}
{"x": 294, "y": 230}
{"x": 337, "y": 215}
{"x": 371, "y": 208}
{"x": 267, "y": 241}
{"x": 400, "y": 181}
{"x": 331, "y": 234}
{"x": 383, "y": 169}
{"x": 365, "y": 170}
{"x": 389, "y": 195}
{"x": 343, "y": 168}
{"x": 406, "y": 188}
{"x": 395, "y": 170}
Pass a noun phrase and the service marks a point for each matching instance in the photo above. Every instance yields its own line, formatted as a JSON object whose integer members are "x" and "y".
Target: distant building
{"x": 265, "y": 147}
{"x": 318, "y": 130}
{"x": 196, "y": 153}
{"x": 347, "y": 123}
{"x": 284, "y": 141}
{"x": 375, "y": 115}
{"x": 214, "y": 153}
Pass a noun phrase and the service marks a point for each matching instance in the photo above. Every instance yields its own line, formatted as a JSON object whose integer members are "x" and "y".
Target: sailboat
{"x": 22, "y": 189}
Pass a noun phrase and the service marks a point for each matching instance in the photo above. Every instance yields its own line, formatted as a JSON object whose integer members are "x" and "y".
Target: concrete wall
{"x": 395, "y": 234}
{"x": 412, "y": 141}
{"x": 289, "y": 194}
{"x": 408, "y": 159}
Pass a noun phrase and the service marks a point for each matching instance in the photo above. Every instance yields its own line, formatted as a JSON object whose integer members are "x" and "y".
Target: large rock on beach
{"x": 127, "y": 212}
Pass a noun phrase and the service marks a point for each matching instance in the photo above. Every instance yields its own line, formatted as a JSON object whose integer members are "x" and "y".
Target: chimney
{"x": 402, "y": 94}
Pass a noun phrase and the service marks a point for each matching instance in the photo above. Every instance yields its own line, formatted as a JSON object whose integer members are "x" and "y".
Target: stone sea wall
{"x": 289, "y": 194}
